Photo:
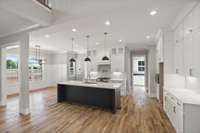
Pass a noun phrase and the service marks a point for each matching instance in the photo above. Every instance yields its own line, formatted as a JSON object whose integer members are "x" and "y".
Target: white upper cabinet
{"x": 188, "y": 25}
{"x": 160, "y": 49}
{"x": 178, "y": 50}
{"x": 188, "y": 55}
{"x": 179, "y": 33}
{"x": 196, "y": 53}
{"x": 196, "y": 17}
{"x": 117, "y": 59}
{"x": 178, "y": 59}
{"x": 186, "y": 45}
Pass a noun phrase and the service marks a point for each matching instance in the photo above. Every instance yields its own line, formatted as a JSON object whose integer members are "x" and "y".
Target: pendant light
{"x": 72, "y": 59}
{"x": 105, "y": 58}
{"x": 87, "y": 59}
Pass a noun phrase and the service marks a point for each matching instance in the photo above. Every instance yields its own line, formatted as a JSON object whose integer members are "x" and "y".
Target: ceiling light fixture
{"x": 148, "y": 37}
{"x": 74, "y": 30}
{"x": 47, "y": 36}
{"x": 153, "y": 12}
{"x": 120, "y": 40}
{"x": 107, "y": 23}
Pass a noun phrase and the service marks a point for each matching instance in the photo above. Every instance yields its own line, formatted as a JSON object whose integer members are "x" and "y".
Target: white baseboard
{"x": 2, "y": 104}
{"x": 24, "y": 111}
{"x": 153, "y": 95}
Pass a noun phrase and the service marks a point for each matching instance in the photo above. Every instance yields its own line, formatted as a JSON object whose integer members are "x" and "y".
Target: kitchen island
{"x": 106, "y": 95}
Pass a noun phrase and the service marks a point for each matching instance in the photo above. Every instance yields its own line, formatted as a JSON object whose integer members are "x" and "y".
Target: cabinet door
{"x": 166, "y": 105}
{"x": 188, "y": 55}
{"x": 178, "y": 57}
{"x": 188, "y": 25}
{"x": 175, "y": 116}
{"x": 179, "y": 33}
{"x": 196, "y": 52}
{"x": 117, "y": 63}
{"x": 196, "y": 19}
{"x": 179, "y": 117}
{"x": 113, "y": 63}
{"x": 160, "y": 50}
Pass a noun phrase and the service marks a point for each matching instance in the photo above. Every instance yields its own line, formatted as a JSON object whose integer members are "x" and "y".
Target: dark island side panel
{"x": 86, "y": 95}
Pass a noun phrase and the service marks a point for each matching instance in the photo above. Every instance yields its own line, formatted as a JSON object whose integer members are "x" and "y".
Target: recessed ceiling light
{"x": 148, "y": 37}
{"x": 97, "y": 43}
{"x": 120, "y": 40}
{"x": 74, "y": 30}
{"x": 47, "y": 36}
{"x": 107, "y": 23}
{"x": 153, "y": 12}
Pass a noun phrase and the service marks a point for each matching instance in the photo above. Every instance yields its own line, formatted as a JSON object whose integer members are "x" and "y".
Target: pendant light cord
{"x": 72, "y": 44}
{"x": 105, "y": 43}
{"x": 87, "y": 43}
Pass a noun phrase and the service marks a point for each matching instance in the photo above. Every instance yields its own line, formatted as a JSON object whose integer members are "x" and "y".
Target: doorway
{"x": 139, "y": 71}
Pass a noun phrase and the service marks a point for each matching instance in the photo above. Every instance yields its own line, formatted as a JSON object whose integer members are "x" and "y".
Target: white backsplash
{"x": 193, "y": 83}
{"x": 174, "y": 81}
{"x": 113, "y": 75}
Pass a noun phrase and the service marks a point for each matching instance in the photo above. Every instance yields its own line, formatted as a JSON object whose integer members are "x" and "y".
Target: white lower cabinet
{"x": 185, "y": 117}
{"x": 174, "y": 111}
{"x": 179, "y": 117}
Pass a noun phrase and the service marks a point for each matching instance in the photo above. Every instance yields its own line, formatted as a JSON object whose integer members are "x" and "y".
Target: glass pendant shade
{"x": 72, "y": 59}
{"x": 87, "y": 59}
{"x": 105, "y": 58}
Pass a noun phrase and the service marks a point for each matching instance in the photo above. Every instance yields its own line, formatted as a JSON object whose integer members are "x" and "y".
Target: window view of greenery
{"x": 12, "y": 69}
{"x": 35, "y": 69}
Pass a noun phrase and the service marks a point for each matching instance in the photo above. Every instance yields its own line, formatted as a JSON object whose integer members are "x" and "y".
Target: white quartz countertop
{"x": 185, "y": 95}
{"x": 96, "y": 85}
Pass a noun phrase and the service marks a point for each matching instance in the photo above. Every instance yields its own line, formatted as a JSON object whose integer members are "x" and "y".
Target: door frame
{"x": 140, "y": 53}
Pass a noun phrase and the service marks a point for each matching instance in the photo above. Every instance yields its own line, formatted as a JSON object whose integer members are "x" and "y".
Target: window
{"x": 35, "y": 69}
{"x": 140, "y": 63}
{"x": 141, "y": 67}
{"x": 12, "y": 68}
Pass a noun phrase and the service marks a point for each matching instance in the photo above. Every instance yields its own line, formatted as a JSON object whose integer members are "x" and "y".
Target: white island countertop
{"x": 96, "y": 85}
{"x": 185, "y": 95}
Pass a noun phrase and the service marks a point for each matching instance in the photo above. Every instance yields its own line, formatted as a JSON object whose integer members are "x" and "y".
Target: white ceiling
{"x": 130, "y": 22}
{"x": 11, "y": 23}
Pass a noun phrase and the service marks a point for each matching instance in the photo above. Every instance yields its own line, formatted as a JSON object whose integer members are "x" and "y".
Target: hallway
{"x": 139, "y": 114}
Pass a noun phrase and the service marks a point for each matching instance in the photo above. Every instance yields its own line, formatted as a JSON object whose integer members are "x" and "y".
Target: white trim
{"x": 24, "y": 111}
{"x": 2, "y": 103}
{"x": 152, "y": 95}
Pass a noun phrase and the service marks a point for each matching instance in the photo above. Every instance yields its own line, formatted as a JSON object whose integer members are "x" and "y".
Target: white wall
{"x": 128, "y": 66}
{"x": 151, "y": 61}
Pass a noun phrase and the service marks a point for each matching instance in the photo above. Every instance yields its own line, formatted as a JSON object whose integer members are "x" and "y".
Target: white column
{"x": 24, "y": 75}
{"x": 3, "y": 80}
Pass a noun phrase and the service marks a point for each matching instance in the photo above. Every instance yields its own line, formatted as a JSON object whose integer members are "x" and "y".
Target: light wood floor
{"x": 139, "y": 114}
